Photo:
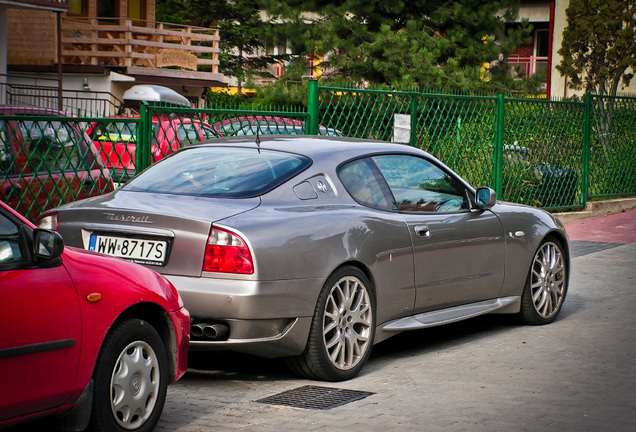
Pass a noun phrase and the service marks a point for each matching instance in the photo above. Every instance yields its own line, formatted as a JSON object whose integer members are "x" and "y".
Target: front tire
{"x": 546, "y": 285}
{"x": 342, "y": 329}
{"x": 131, "y": 379}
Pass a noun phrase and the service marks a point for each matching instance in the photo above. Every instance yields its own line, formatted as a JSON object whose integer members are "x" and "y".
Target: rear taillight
{"x": 48, "y": 222}
{"x": 227, "y": 253}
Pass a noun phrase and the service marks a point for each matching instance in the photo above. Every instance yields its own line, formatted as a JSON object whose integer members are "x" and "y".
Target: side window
{"x": 188, "y": 134}
{"x": 114, "y": 132}
{"x": 208, "y": 132}
{"x": 6, "y": 153}
{"x": 360, "y": 178}
{"x": 52, "y": 146}
{"x": 158, "y": 132}
{"x": 420, "y": 186}
{"x": 10, "y": 249}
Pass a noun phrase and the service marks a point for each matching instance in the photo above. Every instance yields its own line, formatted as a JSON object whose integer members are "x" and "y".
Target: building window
{"x": 541, "y": 54}
{"x": 107, "y": 9}
{"x": 542, "y": 43}
{"x": 137, "y": 9}
{"x": 77, "y": 7}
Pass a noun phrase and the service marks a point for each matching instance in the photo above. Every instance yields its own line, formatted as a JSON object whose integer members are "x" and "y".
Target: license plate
{"x": 140, "y": 251}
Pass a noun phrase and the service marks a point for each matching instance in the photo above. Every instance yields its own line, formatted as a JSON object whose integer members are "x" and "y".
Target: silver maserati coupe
{"x": 316, "y": 248}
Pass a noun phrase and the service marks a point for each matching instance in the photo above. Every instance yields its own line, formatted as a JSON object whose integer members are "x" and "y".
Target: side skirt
{"x": 449, "y": 315}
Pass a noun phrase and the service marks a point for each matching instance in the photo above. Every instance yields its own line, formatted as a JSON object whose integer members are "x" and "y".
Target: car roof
{"x": 29, "y": 110}
{"x": 314, "y": 146}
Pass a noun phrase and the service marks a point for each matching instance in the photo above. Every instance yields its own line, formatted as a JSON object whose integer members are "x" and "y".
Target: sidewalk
{"x": 598, "y": 208}
{"x": 617, "y": 228}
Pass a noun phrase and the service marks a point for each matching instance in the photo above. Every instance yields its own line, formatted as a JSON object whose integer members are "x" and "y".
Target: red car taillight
{"x": 227, "y": 253}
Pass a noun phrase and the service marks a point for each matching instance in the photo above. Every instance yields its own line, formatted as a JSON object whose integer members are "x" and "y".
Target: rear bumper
{"x": 269, "y": 341}
{"x": 265, "y": 318}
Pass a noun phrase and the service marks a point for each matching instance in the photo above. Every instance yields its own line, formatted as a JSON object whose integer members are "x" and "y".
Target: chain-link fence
{"x": 550, "y": 154}
{"x": 612, "y": 146}
{"x": 47, "y": 160}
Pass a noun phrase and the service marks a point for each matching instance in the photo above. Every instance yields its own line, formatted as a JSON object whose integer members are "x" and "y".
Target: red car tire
{"x": 131, "y": 379}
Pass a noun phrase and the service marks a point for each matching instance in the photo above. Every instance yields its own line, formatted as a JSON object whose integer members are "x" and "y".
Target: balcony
{"x": 528, "y": 66}
{"x": 135, "y": 45}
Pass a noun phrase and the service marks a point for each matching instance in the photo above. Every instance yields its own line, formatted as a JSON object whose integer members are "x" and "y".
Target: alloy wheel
{"x": 347, "y": 323}
{"x": 548, "y": 280}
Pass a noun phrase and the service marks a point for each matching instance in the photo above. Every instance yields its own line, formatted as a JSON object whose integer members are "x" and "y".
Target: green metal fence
{"x": 550, "y": 154}
{"x": 47, "y": 160}
{"x": 612, "y": 146}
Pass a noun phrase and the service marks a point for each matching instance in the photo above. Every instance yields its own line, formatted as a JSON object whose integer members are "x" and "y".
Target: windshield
{"x": 226, "y": 172}
{"x": 115, "y": 131}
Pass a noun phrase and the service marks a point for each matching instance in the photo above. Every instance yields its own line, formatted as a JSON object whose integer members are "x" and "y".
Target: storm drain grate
{"x": 314, "y": 397}
{"x": 581, "y": 247}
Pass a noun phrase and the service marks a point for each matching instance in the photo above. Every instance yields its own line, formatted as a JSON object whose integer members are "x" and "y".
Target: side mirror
{"x": 485, "y": 198}
{"x": 47, "y": 245}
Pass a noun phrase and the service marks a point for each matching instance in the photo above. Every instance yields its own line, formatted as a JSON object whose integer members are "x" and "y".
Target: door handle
{"x": 422, "y": 231}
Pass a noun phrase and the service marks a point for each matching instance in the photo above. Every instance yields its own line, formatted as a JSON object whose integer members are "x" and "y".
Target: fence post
{"x": 587, "y": 129}
{"x": 499, "y": 139}
{"x": 142, "y": 148}
{"x": 312, "y": 107}
{"x": 413, "y": 137}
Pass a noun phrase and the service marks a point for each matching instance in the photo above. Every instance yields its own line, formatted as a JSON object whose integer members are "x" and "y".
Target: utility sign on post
{"x": 402, "y": 128}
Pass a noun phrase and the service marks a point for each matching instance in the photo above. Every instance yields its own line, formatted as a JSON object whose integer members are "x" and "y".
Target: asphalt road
{"x": 485, "y": 374}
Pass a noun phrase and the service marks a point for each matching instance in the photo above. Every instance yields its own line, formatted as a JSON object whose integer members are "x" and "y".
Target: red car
{"x": 117, "y": 140}
{"x": 46, "y": 161}
{"x": 92, "y": 338}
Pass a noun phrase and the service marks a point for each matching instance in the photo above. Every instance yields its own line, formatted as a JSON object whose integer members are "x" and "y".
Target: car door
{"x": 40, "y": 327}
{"x": 459, "y": 254}
{"x": 394, "y": 275}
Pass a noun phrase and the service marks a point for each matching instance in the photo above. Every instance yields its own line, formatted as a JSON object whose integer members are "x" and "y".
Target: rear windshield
{"x": 226, "y": 172}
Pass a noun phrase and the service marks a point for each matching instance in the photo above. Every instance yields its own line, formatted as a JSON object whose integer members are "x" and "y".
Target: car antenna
{"x": 258, "y": 139}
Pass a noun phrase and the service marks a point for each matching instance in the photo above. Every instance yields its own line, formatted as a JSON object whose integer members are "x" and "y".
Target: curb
{"x": 598, "y": 208}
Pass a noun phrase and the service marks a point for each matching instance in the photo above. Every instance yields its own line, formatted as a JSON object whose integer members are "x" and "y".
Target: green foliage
{"x": 613, "y": 150}
{"x": 461, "y": 134}
{"x": 291, "y": 89}
{"x": 424, "y": 44}
{"x": 222, "y": 99}
{"x": 599, "y": 45}
{"x": 172, "y": 11}
{"x": 240, "y": 25}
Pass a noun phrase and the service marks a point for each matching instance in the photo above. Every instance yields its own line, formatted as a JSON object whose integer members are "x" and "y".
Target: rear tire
{"x": 546, "y": 285}
{"x": 131, "y": 379}
{"x": 342, "y": 329}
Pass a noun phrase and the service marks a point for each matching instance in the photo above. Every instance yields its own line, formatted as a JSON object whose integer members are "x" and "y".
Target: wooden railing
{"x": 127, "y": 42}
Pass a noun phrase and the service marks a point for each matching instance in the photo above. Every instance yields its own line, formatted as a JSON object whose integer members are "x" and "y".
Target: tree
{"x": 172, "y": 11}
{"x": 430, "y": 44}
{"x": 240, "y": 27}
{"x": 599, "y": 45}
{"x": 598, "y": 49}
